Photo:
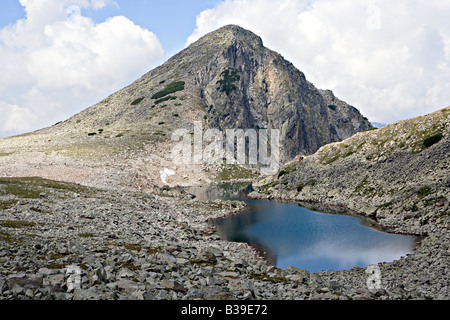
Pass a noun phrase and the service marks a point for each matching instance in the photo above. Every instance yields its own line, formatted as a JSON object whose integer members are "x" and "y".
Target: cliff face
{"x": 242, "y": 84}
{"x": 397, "y": 175}
{"x": 225, "y": 80}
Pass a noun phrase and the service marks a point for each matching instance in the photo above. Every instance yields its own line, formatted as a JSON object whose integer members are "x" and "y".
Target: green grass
{"x": 133, "y": 247}
{"x": 56, "y": 266}
{"x": 226, "y": 84}
{"x": 31, "y": 188}
{"x": 137, "y": 101}
{"x": 4, "y": 237}
{"x": 169, "y": 89}
{"x": 332, "y": 107}
{"x": 282, "y": 173}
{"x": 370, "y": 129}
{"x": 16, "y": 224}
{"x": 128, "y": 265}
{"x": 234, "y": 172}
{"x": 286, "y": 170}
{"x": 165, "y": 99}
{"x": 386, "y": 205}
{"x": 360, "y": 187}
{"x": 300, "y": 187}
{"x": 21, "y": 188}
{"x": 86, "y": 235}
{"x": 332, "y": 159}
{"x": 5, "y": 154}
{"x": 6, "y": 204}
{"x": 424, "y": 191}
{"x": 432, "y": 140}
{"x": 264, "y": 277}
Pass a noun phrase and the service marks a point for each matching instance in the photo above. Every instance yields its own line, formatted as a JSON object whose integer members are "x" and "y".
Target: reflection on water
{"x": 296, "y": 236}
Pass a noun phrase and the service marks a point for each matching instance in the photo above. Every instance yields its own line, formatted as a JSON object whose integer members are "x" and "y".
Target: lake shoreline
{"x": 141, "y": 246}
{"x": 287, "y": 235}
{"x": 331, "y": 208}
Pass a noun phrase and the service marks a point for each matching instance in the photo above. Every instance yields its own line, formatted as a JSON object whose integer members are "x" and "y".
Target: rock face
{"x": 242, "y": 84}
{"x": 234, "y": 82}
{"x": 238, "y": 83}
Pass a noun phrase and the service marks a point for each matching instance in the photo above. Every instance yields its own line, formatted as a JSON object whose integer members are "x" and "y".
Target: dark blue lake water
{"x": 291, "y": 235}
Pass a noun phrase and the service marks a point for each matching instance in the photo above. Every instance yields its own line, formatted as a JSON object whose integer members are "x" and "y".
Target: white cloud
{"x": 390, "y": 59}
{"x": 15, "y": 118}
{"x": 59, "y": 59}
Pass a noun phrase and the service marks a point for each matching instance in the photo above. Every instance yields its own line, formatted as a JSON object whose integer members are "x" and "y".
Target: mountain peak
{"x": 234, "y": 31}
{"x": 225, "y": 80}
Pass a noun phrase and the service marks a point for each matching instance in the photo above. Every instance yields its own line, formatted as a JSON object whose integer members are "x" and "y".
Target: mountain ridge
{"x": 132, "y": 127}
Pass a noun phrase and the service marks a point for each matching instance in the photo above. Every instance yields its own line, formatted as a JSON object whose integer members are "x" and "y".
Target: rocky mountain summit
{"x": 225, "y": 80}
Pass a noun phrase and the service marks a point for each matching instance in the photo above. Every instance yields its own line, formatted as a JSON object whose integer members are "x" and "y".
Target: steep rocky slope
{"x": 398, "y": 175}
{"x": 225, "y": 80}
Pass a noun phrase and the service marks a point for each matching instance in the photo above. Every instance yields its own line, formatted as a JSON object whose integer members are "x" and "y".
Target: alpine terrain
{"x": 225, "y": 80}
{"x": 94, "y": 207}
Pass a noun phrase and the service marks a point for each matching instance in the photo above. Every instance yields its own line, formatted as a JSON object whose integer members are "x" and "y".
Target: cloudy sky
{"x": 389, "y": 59}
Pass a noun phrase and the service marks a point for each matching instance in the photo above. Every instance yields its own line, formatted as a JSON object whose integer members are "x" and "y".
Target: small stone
{"x": 228, "y": 274}
{"x": 56, "y": 280}
{"x": 138, "y": 295}
{"x": 29, "y": 293}
{"x": 16, "y": 289}
{"x": 215, "y": 251}
{"x": 112, "y": 285}
{"x": 362, "y": 296}
{"x": 173, "y": 285}
{"x": 165, "y": 257}
{"x": 148, "y": 296}
{"x": 87, "y": 294}
{"x": 129, "y": 286}
{"x": 182, "y": 261}
{"x": 47, "y": 272}
{"x": 126, "y": 273}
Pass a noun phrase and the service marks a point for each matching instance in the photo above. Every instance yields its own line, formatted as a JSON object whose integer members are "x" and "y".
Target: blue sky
{"x": 389, "y": 59}
{"x": 10, "y": 11}
{"x": 171, "y": 20}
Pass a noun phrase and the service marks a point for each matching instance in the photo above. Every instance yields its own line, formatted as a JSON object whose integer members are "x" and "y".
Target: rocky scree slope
{"x": 62, "y": 241}
{"x": 225, "y": 80}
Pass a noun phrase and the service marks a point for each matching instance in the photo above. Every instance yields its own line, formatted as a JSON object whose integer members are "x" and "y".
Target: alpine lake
{"x": 288, "y": 234}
